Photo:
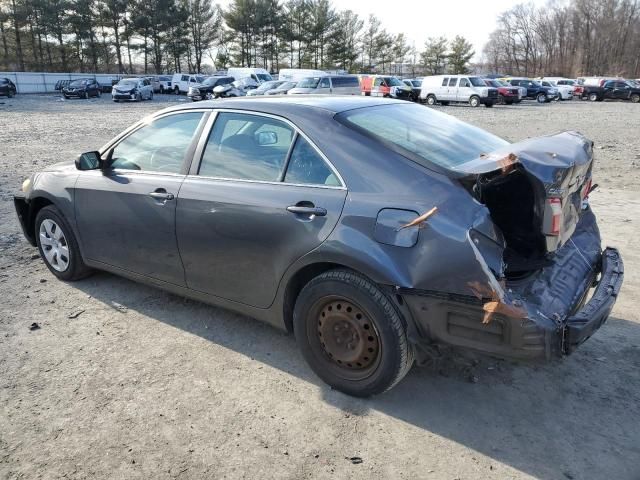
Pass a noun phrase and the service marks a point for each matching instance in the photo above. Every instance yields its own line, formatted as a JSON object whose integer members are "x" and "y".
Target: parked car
{"x": 265, "y": 87}
{"x": 181, "y": 82}
{"x": 612, "y": 90}
{"x": 82, "y": 88}
{"x": 259, "y": 75}
{"x": 238, "y": 88}
{"x": 7, "y": 87}
{"x": 372, "y": 228}
{"x": 154, "y": 81}
{"x": 415, "y": 84}
{"x": 535, "y": 90}
{"x": 165, "y": 84}
{"x": 133, "y": 89}
{"x": 507, "y": 94}
{"x": 565, "y": 92}
{"x": 385, "y": 86}
{"x": 204, "y": 90}
{"x": 282, "y": 89}
{"x": 457, "y": 88}
{"x": 328, "y": 85}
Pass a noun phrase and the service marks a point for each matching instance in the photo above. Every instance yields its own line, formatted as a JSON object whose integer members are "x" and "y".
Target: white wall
{"x": 33, "y": 82}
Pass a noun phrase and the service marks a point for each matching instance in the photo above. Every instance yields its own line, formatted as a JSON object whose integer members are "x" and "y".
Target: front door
{"x": 452, "y": 89}
{"x": 464, "y": 90}
{"x": 126, "y": 213}
{"x": 261, "y": 198}
{"x": 324, "y": 87}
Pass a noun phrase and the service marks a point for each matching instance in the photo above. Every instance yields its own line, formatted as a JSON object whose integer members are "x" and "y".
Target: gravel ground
{"x": 164, "y": 387}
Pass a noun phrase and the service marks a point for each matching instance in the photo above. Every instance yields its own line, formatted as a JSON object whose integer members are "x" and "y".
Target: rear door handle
{"x": 161, "y": 194}
{"x": 300, "y": 210}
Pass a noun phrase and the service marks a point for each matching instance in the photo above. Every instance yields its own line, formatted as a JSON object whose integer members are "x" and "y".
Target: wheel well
{"x": 297, "y": 283}
{"x": 36, "y": 205}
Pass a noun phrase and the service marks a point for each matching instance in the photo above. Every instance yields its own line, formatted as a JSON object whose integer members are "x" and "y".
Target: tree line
{"x": 576, "y": 38}
{"x": 154, "y": 36}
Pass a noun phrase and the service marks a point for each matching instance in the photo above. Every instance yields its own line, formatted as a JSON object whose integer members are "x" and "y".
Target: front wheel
{"x": 58, "y": 245}
{"x": 635, "y": 98}
{"x": 593, "y": 97}
{"x": 541, "y": 98}
{"x": 474, "y": 101}
{"x": 351, "y": 334}
{"x": 176, "y": 91}
{"x": 151, "y": 96}
{"x": 431, "y": 100}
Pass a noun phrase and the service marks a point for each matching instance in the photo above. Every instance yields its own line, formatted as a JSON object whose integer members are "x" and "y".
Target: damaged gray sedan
{"x": 374, "y": 230}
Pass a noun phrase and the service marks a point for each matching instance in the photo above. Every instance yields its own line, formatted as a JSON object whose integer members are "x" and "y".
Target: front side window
{"x": 159, "y": 146}
{"x": 311, "y": 82}
{"x": 306, "y": 166}
{"x": 247, "y": 147}
{"x": 464, "y": 82}
{"x": 324, "y": 83}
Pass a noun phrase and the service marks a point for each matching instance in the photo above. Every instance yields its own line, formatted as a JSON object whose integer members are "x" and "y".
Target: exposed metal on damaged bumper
{"x": 456, "y": 320}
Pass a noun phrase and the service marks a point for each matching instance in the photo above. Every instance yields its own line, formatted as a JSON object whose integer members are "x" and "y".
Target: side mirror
{"x": 89, "y": 161}
{"x": 266, "y": 138}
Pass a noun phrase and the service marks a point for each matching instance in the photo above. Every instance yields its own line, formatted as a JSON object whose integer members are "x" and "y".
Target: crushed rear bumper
{"x": 456, "y": 320}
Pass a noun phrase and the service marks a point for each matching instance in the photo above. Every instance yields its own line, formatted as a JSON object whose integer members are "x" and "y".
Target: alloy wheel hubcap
{"x": 347, "y": 336}
{"x": 54, "y": 245}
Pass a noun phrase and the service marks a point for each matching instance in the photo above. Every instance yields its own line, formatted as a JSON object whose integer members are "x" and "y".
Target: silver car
{"x": 132, "y": 89}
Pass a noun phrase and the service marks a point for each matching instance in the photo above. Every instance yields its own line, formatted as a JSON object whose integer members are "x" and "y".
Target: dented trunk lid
{"x": 558, "y": 169}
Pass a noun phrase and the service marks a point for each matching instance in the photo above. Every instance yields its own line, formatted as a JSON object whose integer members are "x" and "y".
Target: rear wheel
{"x": 431, "y": 100}
{"x": 474, "y": 101}
{"x": 593, "y": 97}
{"x": 58, "y": 245}
{"x": 351, "y": 334}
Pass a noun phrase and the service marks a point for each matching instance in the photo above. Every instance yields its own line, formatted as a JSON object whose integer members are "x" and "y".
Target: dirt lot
{"x": 165, "y": 387}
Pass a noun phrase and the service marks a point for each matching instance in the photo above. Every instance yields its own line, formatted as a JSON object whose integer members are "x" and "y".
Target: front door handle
{"x": 302, "y": 210}
{"x": 161, "y": 194}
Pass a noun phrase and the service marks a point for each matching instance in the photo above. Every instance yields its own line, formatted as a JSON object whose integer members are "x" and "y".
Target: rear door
{"x": 452, "y": 89}
{"x": 258, "y": 197}
{"x": 126, "y": 214}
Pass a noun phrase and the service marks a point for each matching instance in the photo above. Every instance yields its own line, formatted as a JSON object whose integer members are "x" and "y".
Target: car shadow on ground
{"x": 531, "y": 417}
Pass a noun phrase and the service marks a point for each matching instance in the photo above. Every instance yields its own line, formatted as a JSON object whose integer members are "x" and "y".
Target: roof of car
{"x": 269, "y": 104}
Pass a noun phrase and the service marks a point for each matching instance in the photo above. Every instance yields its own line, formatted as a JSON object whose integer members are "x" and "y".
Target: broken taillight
{"x": 556, "y": 212}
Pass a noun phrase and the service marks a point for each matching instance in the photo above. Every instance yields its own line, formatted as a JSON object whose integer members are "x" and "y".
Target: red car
{"x": 507, "y": 94}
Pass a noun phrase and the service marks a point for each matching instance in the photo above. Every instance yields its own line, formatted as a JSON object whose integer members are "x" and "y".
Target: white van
{"x": 327, "y": 85}
{"x": 565, "y": 90}
{"x": 469, "y": 89}
{"x": 260, "y": 75}
{"x": 181, "y": 82}
{"x": 297, "y": 74}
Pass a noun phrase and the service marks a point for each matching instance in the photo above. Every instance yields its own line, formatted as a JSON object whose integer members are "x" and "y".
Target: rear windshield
{"x": 264, "y": 77}
{"x": 422, "y": 134}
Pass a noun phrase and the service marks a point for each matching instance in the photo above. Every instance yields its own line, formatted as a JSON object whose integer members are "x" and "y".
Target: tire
{"x": 593, "y": 97}
{"x": 176, "y": 91}
{"x": 10, "y": 94}
{"x": 635, "y": 98}
{"x": 99, "y": 94}
{"x": 488, "y": 105}
{"x": 541, "y": 98}
{"x": 151, "y": 96}
{"x": 161, "y": 90}
{"x": 139, "y": 97}
{"x": 361, "y": 348}
{"x": 502, "y": 100}
{"x": 115, "y": 100}
{"x": 444, "y": 103}
{"x": 53, "y": 247}
{"x": 86, "y": 95}
{"x": 431, "y": 100}
{"x": 66, "y": 97}
{"x": 474, "y": 101}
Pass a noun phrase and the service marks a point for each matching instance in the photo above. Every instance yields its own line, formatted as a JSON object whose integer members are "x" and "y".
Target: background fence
{"x": 34, "y": 82}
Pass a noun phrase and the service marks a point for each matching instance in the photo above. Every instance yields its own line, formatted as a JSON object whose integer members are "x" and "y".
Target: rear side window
{"x": 452, "y": 82}
{"x": 445, "y": 81}
{"x": 306, "y": 166}
{"x": 246, "y": 147}
{"x": 345, "y": 81}
{"x": 422, "y": 134}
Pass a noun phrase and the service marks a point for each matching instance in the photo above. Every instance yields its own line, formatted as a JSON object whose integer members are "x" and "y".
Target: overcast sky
{"x": 421, "y": 19}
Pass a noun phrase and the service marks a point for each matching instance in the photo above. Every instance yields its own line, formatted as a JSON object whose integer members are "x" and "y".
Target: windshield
{"x": 501, "y": 83}
{"x": 268, "y": 86}
{"x": 492, "y": 83}
{"x": 127, "y": 83}
{"x": 422, "y": 134}
{"x": 264, "y": 77}
{"x": 311, "y": 82}
{"x": 394, "y": 82}
{"x": 476, "y": 82}
{"x": 210, "y": 80}
{"x": 416, "y": 83}
{"x": 78, "y": 83}
{"x": 287, "y": 85}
